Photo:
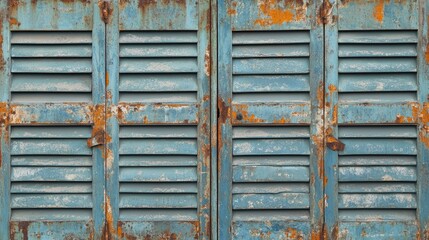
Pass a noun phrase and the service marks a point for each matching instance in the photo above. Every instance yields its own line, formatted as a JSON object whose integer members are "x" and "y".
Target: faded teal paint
{"x": 266, "y": 84}
{"x": 191, "y": 152}
{"x": 44, "y": 166}
{"x": 158, "y": 57}
{"x": 376, "y": 95}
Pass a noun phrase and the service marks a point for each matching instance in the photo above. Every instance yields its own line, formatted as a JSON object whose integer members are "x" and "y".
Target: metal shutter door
{"x": 376, "y": 88}
{"x": 158, "y": 154}
{"x": 52, "y": 93}
{"x": 270, "y": 119}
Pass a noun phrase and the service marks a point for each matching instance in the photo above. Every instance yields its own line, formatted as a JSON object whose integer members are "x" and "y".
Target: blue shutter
{"x": 52, "y": 91}
{"x": 376, "y": 88}
{"x": 158, "y": 154}
{"x": 270, "y": 120}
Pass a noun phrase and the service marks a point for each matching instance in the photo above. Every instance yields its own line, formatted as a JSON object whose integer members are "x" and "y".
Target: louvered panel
{"x": 51, "y": 173}
{"x": 51, "y": 67}
{"x": 158, "y": 173}
{"x": 271, "y": 172}
{"x": 158, "y": 67}
{"x": 377, "y": 67}
{"x": 270, "y": 68}
{"x": 377, "y": 172}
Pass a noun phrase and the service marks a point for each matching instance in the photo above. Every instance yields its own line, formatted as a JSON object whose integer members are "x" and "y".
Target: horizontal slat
{"x": 50, "y": 132}
{"x": 158, "y": 37}
{"x": 377, "y": 201}
{"x": 271, "y": 83}
{"x": 301, "y": 50}
{"x": 69, "y": 113}
{"x": 158, "y": 146}
{"x": 378, "y": 132}
{"x": 271, "y": 161}
{"x": 404, "y": 228}
{"x": 158, "y": 50}
{"x": 377, "y": 160}
{"x": 50, "y": 65}
{"x": 157, "y": 161}
{"x": 51, "y": 83}
{"x": 158, "y": 132}
{"x": 270, "y": 66}
{"x": 51, "y": 97}
{"x": 383, "y": 174}
{"x": 271, "y": 201}
{"x": 270, "y": 132}
{"x": 158, "y": 82}
{"x": 51, "y": 214}
{"x": 376, "y": 187}
{"x": 50, "y": 187}
{"x": 158, "y": 113}
{"x": 382, "y": 98}
{"x": 50, "y": 147}
{"x": 283, "y": 37}
{"x": 378, "y": 37}
{"x": 158, "y": 201}
{"x": 374, "y": 65}
{"x": 377, "y": 215}
{"x": 268, "y": 113}
{"x": 379, "y": 146}
{"x": 158, "y": 215}
{"x": 51, "y": 51}
{"x": 157, "y": 174}
{"x": 377, "y": 113}
{"x": 54, "y": 174}
{"x": 171, "y": 97}
{"x": 51, "y": 201}
{"x": 354, "y": 50}
{"x": 377, "y": 82}
{"x": 158, "y": 65}
{"x": 270, "y": 188}
{"x": 51, "y": 38}
{"x": 271, "y": 147}
{"x": 270, "y": 215}
{"x": 303, "y": 97}
{"x": 65, "y": 161}
{"x": 158, "y": 188}
{"x": 270, "y": 174}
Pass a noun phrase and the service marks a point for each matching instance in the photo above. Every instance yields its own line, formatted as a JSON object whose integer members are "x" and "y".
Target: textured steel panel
{"x": 376, "y": 97}
{"x": 269, "y": 83}
{"x": 159, "y": 57}
{"x": 52, "y": 79}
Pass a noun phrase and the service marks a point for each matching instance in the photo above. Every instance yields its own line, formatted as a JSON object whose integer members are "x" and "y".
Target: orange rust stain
{"x": 14, "y": 21}
{"x": 231, "y": 11}
{"x": 332, "y": 88}
{"x": 242, "y": 114}
{"x": 292, "y": 233}
{"x": 379, "y": 11}
{"x": 424, "y": 118}
{"x": 281, "y": 120}
{"x": 109, "y": 217}
{"x": 274, "y": 14}
{"x": 107, "y": 79}
{"x": 207, "y": 61}
{"x": 335, "y": 115}
{"x": 427, "y": 54}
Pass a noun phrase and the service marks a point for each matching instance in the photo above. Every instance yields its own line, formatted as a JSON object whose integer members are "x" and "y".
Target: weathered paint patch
{"x": 273, "y": 13}
{"x": 379, "y": 11}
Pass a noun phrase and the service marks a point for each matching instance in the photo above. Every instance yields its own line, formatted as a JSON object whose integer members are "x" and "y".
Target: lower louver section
{"x": 271, "y": 178}
{"x": 378, "y": 180}
{"x": 158, "y": 180}
{"x": 51, "y": 182}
